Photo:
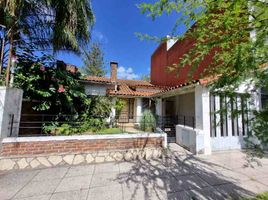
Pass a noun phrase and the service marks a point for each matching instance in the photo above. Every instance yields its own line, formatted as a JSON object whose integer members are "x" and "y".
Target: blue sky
{"x": 115, "y": 27}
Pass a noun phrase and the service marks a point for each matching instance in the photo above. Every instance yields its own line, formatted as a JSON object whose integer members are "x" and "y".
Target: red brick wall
{"x": 77, "y": 146}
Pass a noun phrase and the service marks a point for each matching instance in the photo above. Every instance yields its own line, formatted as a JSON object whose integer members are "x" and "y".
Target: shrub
{"x": 148, "y": 122}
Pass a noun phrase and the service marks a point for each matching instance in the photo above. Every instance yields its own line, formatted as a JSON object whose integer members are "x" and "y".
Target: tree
{"x": 48, "y": 85}
{"x": 146, "y": 77}
{"x": 46, "y": 24}
{"x": 93, "y": 61}
{"x": 234, "y": 32}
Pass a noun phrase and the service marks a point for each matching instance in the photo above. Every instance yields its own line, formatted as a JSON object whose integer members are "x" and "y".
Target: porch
{"x": 190, "y": 116}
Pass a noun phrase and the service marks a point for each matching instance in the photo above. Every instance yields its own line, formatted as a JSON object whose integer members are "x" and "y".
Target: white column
{"x": 202, "y": 116}
{"x": 138, "y": 109}
{"x": 10, "y": 105}
{"x": 112, "y": 114}
{"x": 158, "y": 106}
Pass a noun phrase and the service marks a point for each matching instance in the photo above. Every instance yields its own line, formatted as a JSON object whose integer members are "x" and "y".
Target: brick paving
{"x": 224, "y": 175}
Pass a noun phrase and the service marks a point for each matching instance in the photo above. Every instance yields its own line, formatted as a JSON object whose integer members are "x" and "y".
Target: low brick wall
{"x": 36, "y": 152}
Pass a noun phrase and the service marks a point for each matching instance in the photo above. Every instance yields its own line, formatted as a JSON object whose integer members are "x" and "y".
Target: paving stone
{"x": 55, "y": 160}
{"x": 104, "y": 179}
{"x": 12, "y": 182}
{"x": 190, "y": 182}
{"x": 38, "y": 188}
{"x": 40, "y": 197}
{"x": 138, "y": 190}
{"x": 106, "y": 193}
{"x": 6, "y": 164}
{"x": 148, "y": 154}
{"x": 167, "y": 183}
{"x": 74, "y": 183}
{"x": 51, "y": 173}
{"x": 109, "y": 159}
{"x": 254, "y": 186}
{"x": 118, "y": 156}
{"x": 106, "y": 168}
{"x": 78, "y": 159}
{"x": 208, "y": 193}
{"x": 263, "y": 180}
{"x": 128, "y": 156}
{"x": 22, "y": 163}
{"x": 44, "y": 161}
{"x": 125, "y": 167}
{"x": 68, "y": 159}
{"x": 233, "y": 191}
{"x": 99, "y": 159}
{"x": 71, "y": 195}
{"x": 80, "y": 170}
{"x": 89, "y": 158}
{"x": 34, "y": 163}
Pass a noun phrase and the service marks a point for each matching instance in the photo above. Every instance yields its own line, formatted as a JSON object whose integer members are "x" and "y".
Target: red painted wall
{"x": 162, "y": 58}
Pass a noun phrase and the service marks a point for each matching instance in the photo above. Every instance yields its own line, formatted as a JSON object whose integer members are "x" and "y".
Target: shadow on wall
{"x": 182, "y": 177}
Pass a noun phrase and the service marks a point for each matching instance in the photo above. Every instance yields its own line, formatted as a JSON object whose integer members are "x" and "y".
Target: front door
{"x": 127, "y": 113}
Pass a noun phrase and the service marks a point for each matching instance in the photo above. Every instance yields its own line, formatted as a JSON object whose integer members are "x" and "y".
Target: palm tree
{"x": 59, "y": 25}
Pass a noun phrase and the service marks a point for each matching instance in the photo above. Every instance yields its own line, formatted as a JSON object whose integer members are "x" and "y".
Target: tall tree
{"x": 234, "y": 32}
{"x": 93, "y": 61}
{"x": 60, "y": 25}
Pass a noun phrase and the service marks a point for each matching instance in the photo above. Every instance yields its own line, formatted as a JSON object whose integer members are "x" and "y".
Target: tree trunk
{"x": 9, "y": 59}
{"x": 2, "y": 54}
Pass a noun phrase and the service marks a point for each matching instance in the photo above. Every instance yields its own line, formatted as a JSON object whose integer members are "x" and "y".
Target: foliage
{"x": 148, "y": 121}
{"x": 234, "y": 33}
{"x": 119, "y": 105}
{"x": 100, "y": 107}
{"x": 50, "y": 86}
{"x": 48, "y": 23}
{"x": 146, "y": 77}
{"x": 262, "y": 196}
{"x": 93, "y": 61}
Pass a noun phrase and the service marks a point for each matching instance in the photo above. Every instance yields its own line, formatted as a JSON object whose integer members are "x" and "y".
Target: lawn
{"x": 110, "y": 131}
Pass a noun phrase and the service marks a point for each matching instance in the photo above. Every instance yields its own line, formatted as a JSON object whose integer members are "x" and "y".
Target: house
{"x": 186, "y": 109}
{"x": 135, "y": 93}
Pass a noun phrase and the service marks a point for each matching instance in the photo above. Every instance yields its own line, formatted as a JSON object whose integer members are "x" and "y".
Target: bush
{"x": 148, "y": 122}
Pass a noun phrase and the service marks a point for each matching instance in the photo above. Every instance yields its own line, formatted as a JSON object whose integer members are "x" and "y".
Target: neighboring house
{"x": 186, "y": 109}
{"x": 135, "y": 93}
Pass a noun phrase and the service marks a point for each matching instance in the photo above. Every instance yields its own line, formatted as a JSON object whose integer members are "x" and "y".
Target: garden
{"x": 60, "y": 104}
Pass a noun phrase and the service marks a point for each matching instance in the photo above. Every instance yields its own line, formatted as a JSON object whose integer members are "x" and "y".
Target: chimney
{"x": 113, "y": 66}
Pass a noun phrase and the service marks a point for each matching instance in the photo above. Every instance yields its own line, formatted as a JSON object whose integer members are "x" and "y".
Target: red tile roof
{"x": 98, "y": 79}
{"x": 125, "y": 90}
{"x": 127, "y": 87}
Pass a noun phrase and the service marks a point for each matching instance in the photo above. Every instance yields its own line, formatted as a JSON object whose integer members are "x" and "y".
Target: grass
{"x": 262, "y": 196}
{"x": 110, "y": 131}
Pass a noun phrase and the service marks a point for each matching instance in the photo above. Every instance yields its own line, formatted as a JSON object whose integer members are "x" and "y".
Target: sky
{"x": 117, "y": 21}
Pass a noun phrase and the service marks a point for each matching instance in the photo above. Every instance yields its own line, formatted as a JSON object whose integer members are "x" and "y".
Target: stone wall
{"x": 39, "y": 152}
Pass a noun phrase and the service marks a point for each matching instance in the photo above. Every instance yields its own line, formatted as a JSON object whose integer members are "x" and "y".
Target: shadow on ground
{"x": 180, "y": 175}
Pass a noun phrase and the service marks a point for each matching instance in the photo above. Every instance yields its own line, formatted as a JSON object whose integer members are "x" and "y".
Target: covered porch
{"x": 185, "y": 112}
{"x": 191, "y": 114}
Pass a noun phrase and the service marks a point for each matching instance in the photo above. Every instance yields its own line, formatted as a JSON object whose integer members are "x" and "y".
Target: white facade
{"x": 10, "y": 111}
{"x": 96, "y": 89}
{"x": 211, "y": 130}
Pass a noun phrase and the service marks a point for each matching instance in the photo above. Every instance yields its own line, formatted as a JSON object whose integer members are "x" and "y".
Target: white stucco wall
{"x": 138, "y": 109}
{"x": 96, "y": 89}
{"x": 10, "y": 104}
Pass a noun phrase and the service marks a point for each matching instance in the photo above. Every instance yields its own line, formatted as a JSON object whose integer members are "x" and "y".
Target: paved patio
{"x": 222, "y": 175}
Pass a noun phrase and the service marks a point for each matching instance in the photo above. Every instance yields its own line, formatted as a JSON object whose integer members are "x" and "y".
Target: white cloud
{"x": 99, "y": 36}
{"x": 126, "y": 73}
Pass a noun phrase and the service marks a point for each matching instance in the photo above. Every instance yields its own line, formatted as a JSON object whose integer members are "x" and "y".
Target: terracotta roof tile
{"x": 98, "y": 79}
{"x": 125, "y": 90}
